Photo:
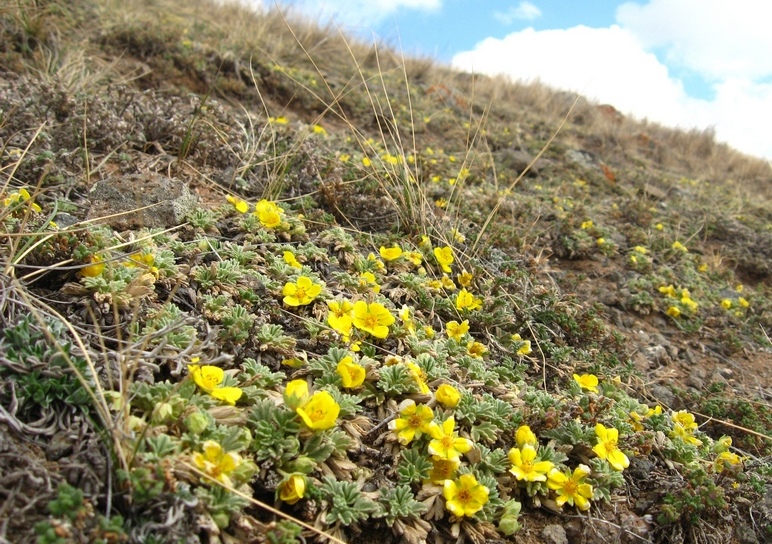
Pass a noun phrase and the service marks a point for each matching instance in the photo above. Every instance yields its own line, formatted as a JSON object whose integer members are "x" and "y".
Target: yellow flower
{"x": 22, "y": 195}
{"x": 292, "y": 489}
{"x": 302, "y": 292}
{"x": 447, "y": 283}
{"x": 390, "y": 253}
{"x": 640, "y": 249}
{"x": 636, "y": 420}
{"x": 351, "y": 374}
{"x": 216, "y": 462}
{"x": 668, "y": 290}
{"x": 376, "y": 261}
{"x": 209, "y": 378}
{"x": 320, "y": 412}
{"x": 414, "y": 420}
{"x": 407, "y": 320}
{"x": 293, "y": 362}
{"x": 684, "y": 426}
{"x": 229, "y": 395}
{"x": 373, "y": 318}
{"x": 296, "y": 394}
{"x": 678, "y": 246}
{"x": 318, "y": 129}
{"x": 525, "y": 436}
{"x": 444, "y": 256}
{"x": 571, "y": 488}
{"x": 367, "y": 281}
{"x": 241, "y": 206}
{"x": 291, "y": 260}
{"x": 340, "y": 316}
{"x": 446, "y": 444}
{"x": 366, "y": 161}
{"x": 418, "y": 375}
{"x": 689, "y": 303}
{"x": 94, "y": 269}
{"x": 443, "y": 469}
{"x": 279, "y": 120}
{"x": 726, "y": 458}
{"x": 524, "y": 467}
{"x": 414, "y": 257}
{"x": 742, "y": 302}
{"x": 476, "y": 349}
{"x": 523, "y": 346}
{"x": 465, "y": 496}
{"x": 447, "y": 395}
{"x": 726, "y": 304}
{"x": 269, "y": 213}
{"x": 465, "y": 278}
{"x": 685, "y": 419}
{"x": 456, "y": 330}
{"x": 607, "y": 449}
{"x": 659, "y": 226}
{"x": 587, "y": 225}
{"x": 466, "y": 301}
{"x": 657, "y": 410}
{"x": 679, "y": 431}
{"x": 673, "y": 311}
{"x": 587, "y": 381}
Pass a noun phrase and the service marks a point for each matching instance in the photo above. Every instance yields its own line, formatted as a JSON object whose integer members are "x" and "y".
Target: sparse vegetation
{"x": 264, "y": 282}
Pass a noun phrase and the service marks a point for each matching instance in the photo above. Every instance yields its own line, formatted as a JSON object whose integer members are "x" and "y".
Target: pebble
{"x": 554, "y": 534}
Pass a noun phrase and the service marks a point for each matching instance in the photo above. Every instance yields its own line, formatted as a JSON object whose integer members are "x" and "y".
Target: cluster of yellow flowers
{"x": 209, "y": 378}
{"x": 684, "y": 427}
{"x": 685, "y": 301}
{"x": 268, "y": 212}
{"x": 19, "y": 197}
{"x": 318, "y": 411}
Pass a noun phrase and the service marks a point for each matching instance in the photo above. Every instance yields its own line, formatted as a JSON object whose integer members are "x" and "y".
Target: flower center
{"x": 464, "y": 496}
{"x": 300, "y": 293}
{"x": 414, "y": 421}
{"x": 371, "y": 321}
{"x": 570, "y": 488}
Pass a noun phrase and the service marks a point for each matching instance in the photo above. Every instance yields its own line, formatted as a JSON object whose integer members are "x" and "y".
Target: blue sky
{"x": 684, "y": 63}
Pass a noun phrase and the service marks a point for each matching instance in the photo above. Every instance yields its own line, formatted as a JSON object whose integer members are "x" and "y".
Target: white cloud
{"x": 715, "y": 38}
{"x": 616, "y": 65}
{"x": 356, "y": 12}
{"x": 605, "y": 64}
{"x": 525, "y": 11}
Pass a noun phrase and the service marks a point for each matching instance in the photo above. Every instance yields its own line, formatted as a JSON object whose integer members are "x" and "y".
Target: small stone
{"x": 554, "y": 534}
{"x": 726, "y": 372}
{"x": 745, "y": 534}
{"x": 657, "y": 355}
{"x": 141, "y": 200}
{"x": 664, "y": 395}
{"x": 696, "y": 378}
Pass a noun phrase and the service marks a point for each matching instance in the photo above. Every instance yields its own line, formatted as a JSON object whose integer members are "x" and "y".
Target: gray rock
{"x": 696, "y": 378}
{"x": 745, "y": 534}
{"x": 554, "y": 534}
{"x": 116, "y": 201}
{"x": 657, "y": 355}
{"x": 664, "y": 395}
{"x": 517, "y": 160}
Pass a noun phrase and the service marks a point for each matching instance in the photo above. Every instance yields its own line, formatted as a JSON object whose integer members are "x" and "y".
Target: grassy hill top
{"x": 262, "y": 282}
